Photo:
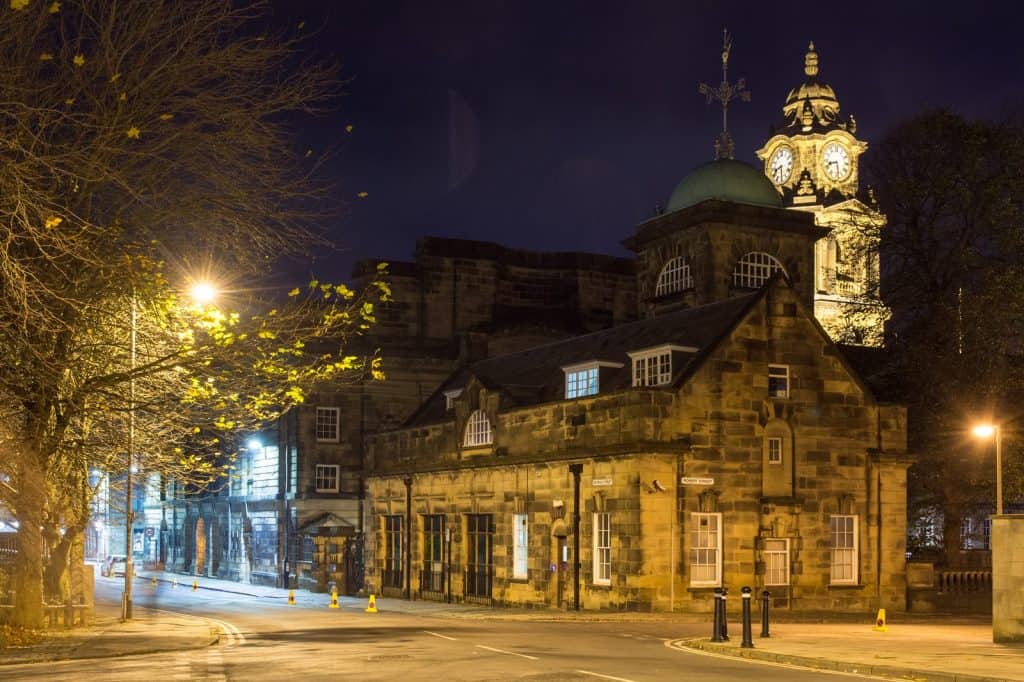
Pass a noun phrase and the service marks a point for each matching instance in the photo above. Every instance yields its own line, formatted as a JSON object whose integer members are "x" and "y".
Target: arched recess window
{"x": 754, "y": 269}
{"x": 777, "y": 460}
{"x": 478, "y": 430}
{"x": 675, "y": 276}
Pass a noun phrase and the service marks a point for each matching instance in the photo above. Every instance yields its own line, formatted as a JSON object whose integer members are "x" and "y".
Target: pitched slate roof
{"x": 535, "y": 376}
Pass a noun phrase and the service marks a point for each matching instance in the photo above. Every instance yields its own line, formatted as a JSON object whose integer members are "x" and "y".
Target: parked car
{"x": 114, "y": 565}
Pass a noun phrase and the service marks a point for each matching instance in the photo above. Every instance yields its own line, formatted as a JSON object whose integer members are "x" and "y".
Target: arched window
{"x": 754, "y": 269}
{"x": 675, "y": 276}
{"x": 478, "y": 430}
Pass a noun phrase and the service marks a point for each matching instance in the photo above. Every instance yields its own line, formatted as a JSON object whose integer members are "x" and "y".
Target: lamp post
{"x": 126, "y": 596}
{"x": 200, "y": 292}
{"x": 985, "y": 431}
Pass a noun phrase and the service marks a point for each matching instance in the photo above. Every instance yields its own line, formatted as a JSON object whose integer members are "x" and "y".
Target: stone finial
{"x": 811, "y": 61}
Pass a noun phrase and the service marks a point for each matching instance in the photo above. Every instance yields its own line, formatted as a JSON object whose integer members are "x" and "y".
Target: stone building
{"x": 311, "y": 492}
{"x": 726, "y": 442}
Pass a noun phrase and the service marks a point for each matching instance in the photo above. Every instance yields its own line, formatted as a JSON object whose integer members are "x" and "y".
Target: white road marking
{"x": 502, "y": 651}
{"x": 234, "y": 635}
{"x": 605, "y": 677}
{"x": 670, "y": 643}
{"x": 437, "y": 634}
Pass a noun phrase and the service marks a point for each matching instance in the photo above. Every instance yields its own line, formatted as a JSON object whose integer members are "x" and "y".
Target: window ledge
{"x": 846, "y": 586}
{"x": 702, "y": 589}
{"x": 601, "y": 586}
{"x": 478, "y": 449}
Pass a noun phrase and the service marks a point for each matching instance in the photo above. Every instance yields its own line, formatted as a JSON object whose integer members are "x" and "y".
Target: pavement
{"x": 920, "y": 647}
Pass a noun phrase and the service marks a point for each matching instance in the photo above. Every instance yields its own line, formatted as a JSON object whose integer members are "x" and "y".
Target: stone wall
{"x": 1008, "y": 578}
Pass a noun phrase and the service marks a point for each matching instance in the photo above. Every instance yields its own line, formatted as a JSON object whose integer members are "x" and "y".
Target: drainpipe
{"x": 408, "y": 536}
{"x": 576, "y": 470}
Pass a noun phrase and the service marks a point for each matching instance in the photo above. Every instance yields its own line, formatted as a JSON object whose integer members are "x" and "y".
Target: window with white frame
{"x": 778, "y": 381}
{"x": 602, "y": 548}
{"x": 843, "y": 531}
{"x": 581, "y": 382}
{"x": 478, "y": 430}
{"x": 327, "y": 478}
{"x": 327, "y": 424}
{"x": 450, "y": 397}
{"x": 520, "y": 547}
{"x": 776, "y": 561}
{"x": 775, "y": 451}
{"x": 754, "y": 269}
{"x": 706, "y": 550}
{"x": 675, "y": 276}
{"x": 653, "y": 368}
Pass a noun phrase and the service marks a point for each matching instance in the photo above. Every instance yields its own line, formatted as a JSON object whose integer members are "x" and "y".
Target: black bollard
{"x": 725, "y": 616}
{"x": 716, "y": 628}
{"x": 748, "y": 639}
{"x": 764, "y": 613}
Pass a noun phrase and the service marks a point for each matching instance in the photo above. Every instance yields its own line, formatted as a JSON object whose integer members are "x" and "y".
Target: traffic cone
{"x": 291, "y": 598}
{"x": 372, "y": 606}
{"x": 195, "y": 585}
{"x": 334, "y": 598}
{"x": 880, "y": 625}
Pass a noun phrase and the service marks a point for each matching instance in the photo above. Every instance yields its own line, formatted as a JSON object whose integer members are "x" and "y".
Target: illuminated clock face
{"x": 836, "y": 161}
{"x": 780, "y": 166}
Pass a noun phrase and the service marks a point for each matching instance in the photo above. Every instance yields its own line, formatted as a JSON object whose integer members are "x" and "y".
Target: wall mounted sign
{"x": 686, "y": 480}
{"x": 599, "y": 482}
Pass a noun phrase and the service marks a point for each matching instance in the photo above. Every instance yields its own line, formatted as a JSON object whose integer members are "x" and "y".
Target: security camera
{"x": 658, "y": 486}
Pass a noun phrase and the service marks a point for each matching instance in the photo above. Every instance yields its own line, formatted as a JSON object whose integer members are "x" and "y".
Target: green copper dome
{"x": 727, "y": 180}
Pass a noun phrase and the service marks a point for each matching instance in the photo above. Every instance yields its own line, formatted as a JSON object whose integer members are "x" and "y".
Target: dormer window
{"x": 450, "y": 397}
{"x": 478, "y": 430}
{"x": 653, "y": 366}
{"x": 675, "y": 276}
{"x": 584, "y": 379}
{"x": 582, "y": 382}
{"x": 754, "y": 269}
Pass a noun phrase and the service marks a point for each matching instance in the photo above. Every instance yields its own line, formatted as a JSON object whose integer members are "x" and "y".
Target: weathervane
{"x": 724, "y": 94}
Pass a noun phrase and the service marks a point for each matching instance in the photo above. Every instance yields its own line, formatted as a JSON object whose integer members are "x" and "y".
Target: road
{"x": 265, "y": 639}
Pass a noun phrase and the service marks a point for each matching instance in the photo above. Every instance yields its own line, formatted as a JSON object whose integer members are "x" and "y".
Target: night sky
{"x": 556, "y": 125}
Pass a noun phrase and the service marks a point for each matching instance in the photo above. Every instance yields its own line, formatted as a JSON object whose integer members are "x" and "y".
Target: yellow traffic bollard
{"x": 880, "y": 625}
{"x": 153, "y": 581}
{"x": 372, "y": 606}
{"x": 195, "y": 585}
{"x": 334, "y": 598}
{"x": 291, "y": 598}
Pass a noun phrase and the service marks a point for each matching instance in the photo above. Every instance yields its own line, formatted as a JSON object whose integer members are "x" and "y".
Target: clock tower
{"x": 813, "y": 159}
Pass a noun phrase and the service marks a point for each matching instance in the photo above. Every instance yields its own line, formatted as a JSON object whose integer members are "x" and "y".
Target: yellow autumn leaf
{"x": 69, "y": 101}
{"x": 133, "y": 133}
{"x": 309, "y": 152}
{"x": 19, "y": 4}
{"x": 113, "y": 79}
{"x": 123, "y": 97}
{"x": 363, "y": 195}
{"x": 52, "y": 222}
{"x": 294, "y": 292}
{"x": 46, "y": 57}
{"x": 54, "y": 7}
{"x": 79, "y": 60}
{"x": 348, "y": 129}
{"x": 302, "y": 25}
{"x": 166, "y": 117}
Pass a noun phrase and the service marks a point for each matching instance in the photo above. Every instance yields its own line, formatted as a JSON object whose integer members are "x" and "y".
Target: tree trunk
{"x": 28, "y": 565}
{"x": 56, "y": 577}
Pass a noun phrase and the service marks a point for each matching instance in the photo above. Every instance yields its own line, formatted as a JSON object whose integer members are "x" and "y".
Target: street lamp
{"x": 986, "y": 431}
{"x": 201, "y": 292}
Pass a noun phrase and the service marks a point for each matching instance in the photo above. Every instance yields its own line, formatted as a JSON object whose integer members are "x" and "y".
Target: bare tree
{"x": 139, "y": 142}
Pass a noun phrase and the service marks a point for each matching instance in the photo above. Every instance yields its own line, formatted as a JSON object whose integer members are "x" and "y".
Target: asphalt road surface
{"x": 265, "y": 639}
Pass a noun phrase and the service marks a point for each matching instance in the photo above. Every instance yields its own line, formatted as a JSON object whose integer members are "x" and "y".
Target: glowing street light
{"x": 987, "y": 431}
{"x": 203, "y": 292}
